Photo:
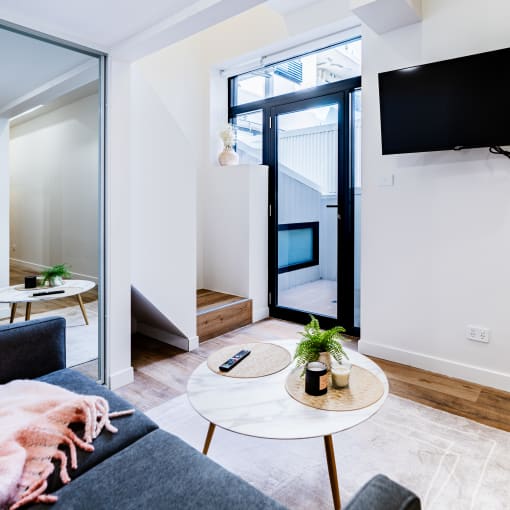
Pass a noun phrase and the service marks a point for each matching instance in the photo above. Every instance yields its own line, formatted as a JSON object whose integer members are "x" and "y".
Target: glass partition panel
{"x": 52, "y": 118}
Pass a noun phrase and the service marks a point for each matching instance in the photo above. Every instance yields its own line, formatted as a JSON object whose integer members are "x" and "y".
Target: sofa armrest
{"x": 32, "y": 348}
{"x": 381, "y": 493}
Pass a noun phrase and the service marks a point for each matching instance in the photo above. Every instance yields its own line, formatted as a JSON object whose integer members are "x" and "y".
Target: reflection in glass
{"x": 249, "y": 137}
{"x": 54, "y": 146}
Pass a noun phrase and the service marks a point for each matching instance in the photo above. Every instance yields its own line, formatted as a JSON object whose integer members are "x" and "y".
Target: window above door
{"x": 328, "y": 65}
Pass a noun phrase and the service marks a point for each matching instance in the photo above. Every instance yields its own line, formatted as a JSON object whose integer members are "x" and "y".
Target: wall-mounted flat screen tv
{"x": 453, "y": 104}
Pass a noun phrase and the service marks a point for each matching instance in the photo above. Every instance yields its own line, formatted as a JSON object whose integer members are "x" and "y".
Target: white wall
{"x": 117, "y": 280}
{"x": 4, "y": 210}
{"x": 235, "y": 234}
{"x": 163, "y": 197}
{"x": 170, "y": 156}
{"x": 436, "y": 245}
{"x": 54, "y": 188}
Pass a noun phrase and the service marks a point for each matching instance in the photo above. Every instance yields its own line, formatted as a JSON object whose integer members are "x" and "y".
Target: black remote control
{"x": 233, "y": 361}
{"x": 48, "y": 293}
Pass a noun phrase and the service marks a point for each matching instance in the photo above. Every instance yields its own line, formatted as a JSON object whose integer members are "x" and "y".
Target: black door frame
{"x": 316, "y": 96}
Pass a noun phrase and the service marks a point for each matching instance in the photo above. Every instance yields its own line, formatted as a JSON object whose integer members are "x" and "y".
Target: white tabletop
{"x": 18, "y": 294}
{"x": 261, "y": 407}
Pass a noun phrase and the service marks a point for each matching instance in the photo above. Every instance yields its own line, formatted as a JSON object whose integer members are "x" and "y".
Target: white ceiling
{"x": 33, "y": 70}
{"x": 108, "y": 24}
{"x": 285, "y": 6}
{"x": 105, "y": 23}
{"x": 29, "y": 63}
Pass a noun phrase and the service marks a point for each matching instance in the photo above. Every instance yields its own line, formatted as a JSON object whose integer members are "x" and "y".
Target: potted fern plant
{"x": 320, "y": 345}
{"x": 54, "y": 275}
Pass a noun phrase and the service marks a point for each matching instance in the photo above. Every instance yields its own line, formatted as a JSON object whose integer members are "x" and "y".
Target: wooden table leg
{"x": 208, "y": 439}
{"x": 333, "y": 479}
{"x": 83, "y": 311}
{"x": 13, "y": 311}
{"x": 28, "y": 310}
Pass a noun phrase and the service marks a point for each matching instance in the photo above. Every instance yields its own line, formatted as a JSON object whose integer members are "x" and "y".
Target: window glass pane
{"x": 307, "y": 173}
{"x": 249, "y": 137}
{"x": 295, "y": 246}
{"x": 332, "y": 64}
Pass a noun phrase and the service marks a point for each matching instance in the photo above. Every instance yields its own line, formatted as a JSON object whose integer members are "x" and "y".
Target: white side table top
{"x": 261, "y": 407}
{"x": 18, "y": 294}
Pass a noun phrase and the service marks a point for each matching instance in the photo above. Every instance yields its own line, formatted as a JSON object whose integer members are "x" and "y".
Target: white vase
{"x": 325, "y": 357}
{"x": 228, "y": 157}
{"x": 55, "y": 281}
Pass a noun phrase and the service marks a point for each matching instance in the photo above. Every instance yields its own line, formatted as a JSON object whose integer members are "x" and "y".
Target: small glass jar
{"x": 340, "y": 374}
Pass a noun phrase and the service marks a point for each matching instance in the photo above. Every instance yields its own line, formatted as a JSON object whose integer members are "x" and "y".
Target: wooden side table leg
{"x": 83, "y": 311}
{"x": 28, "y": 311}
{"x": 13, "y": 311}
{"x": 333, "y": 479}
{"x": 208, "y": 439}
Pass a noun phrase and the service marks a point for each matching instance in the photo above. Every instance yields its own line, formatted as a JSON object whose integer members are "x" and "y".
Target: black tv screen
{"x": 458, "y": 103}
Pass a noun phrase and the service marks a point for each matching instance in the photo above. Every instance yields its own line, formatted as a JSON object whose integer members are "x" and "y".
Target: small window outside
{"x": 332, "y": 64}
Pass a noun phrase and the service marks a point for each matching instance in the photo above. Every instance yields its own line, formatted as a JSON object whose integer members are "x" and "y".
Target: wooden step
{"x": 219, "y": 313}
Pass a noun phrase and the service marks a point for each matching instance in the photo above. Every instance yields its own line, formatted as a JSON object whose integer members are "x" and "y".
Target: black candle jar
{"x": 316, "y": 382}
{"x": 30, "y": 282}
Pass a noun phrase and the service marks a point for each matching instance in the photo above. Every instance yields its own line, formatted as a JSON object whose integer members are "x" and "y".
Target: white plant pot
{"x": 325, "y": 357}
{"x": 56, "y": 281}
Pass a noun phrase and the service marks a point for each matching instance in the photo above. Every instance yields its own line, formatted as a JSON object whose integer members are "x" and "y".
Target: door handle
{"x": 331, "y": 206}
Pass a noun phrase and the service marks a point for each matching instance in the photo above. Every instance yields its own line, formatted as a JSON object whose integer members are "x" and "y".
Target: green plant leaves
{"x": 316, "y": 341}
{"x": 61, "y": 270}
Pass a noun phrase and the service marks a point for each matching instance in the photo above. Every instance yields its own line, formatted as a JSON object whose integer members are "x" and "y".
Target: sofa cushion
{"x": 160, "y": 471}
{"x": 381, "y": 493}
{"x": 131, "y": 428}
{"x": 32, "y": 348}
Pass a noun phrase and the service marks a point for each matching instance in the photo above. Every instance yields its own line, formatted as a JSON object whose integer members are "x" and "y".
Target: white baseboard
{"x": 478, "y": 375}
{"x": 181, "y": 342}
{"x": 121, "y": 378}
{"x": 260, "y": 313}
{"x": 32, "y": 266}
{"x": 194, "y": 342}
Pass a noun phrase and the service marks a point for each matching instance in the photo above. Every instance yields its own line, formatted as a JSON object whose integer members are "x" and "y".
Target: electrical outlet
{"x": 478, "y": 334}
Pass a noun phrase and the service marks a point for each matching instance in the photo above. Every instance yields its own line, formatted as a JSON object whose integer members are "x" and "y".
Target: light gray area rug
{"x": 452, "y": 463}
{"x": 81, "y": 340}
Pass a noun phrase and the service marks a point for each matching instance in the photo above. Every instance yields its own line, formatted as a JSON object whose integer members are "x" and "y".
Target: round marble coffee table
{"x": 261, "y": 407}
{"x": 16, "y": 294}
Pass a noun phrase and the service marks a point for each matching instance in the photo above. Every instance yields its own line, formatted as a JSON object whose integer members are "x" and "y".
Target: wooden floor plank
{"x": 162, "y": 371}
{"x": 230, "y": 317}
{"x": 430, "y": 380}
{"x": 210, "y": 299}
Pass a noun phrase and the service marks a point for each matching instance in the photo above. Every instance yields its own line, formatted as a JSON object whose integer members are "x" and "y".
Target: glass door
{"x": 312, "y": 244}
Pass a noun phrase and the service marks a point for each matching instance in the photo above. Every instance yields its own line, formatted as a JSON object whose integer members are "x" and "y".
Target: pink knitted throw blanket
{"x": 34, "y": 422}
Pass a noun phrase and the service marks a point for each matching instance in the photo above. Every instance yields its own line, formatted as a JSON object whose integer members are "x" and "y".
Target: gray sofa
{"x": 143, "y": 466}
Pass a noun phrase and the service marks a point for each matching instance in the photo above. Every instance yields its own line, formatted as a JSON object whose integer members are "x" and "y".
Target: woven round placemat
{"x": 364, "y": 389}
{"x": 264, "y": 359}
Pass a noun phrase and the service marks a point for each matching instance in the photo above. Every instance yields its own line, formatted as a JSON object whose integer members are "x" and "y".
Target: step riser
{"x": 227, "y": 318}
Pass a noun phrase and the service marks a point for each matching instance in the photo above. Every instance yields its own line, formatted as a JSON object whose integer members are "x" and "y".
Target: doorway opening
{"x": 302, "y": 118}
